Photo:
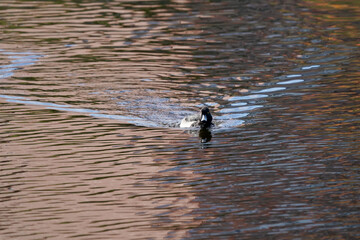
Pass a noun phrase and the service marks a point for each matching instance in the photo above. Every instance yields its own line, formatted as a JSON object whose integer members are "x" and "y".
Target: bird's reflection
{"x": 205, "y": 135}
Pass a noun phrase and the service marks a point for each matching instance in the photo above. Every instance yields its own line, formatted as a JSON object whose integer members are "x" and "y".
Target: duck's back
{"x": 189, "y": 121}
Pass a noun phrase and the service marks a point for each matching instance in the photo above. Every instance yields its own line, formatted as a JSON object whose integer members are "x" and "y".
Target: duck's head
{"x": 206, "y": 118}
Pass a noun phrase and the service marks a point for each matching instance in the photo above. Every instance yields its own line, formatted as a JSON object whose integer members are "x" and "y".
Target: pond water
{"x": 92, "y": 94}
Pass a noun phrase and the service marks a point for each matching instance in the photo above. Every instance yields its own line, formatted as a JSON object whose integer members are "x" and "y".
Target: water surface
{"x": 92, "y": 93}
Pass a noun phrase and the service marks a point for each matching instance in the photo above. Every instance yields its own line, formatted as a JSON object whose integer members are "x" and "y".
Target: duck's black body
{"x": 204, "y": 120}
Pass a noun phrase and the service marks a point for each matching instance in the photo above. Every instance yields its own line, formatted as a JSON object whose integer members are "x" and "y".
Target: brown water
{"x": 92, "y": 93}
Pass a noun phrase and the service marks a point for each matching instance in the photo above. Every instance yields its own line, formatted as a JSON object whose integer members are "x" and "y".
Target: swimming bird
{"x": 204, "y": 120}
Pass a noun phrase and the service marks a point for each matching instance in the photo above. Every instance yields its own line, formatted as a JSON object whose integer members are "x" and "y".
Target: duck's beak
{"x": 203, "y": 118}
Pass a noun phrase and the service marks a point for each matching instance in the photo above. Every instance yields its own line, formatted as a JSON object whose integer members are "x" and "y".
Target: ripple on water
{"x": 248, "y": 97}
{"x": 290, "y": 81}
{"x": 240, "y": 109}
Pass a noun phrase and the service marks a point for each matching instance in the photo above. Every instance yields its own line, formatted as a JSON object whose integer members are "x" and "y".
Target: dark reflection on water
{"x": 92, "y": 94}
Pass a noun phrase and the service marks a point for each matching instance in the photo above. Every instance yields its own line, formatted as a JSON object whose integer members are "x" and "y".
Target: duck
{"x": 202, "y": 120}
